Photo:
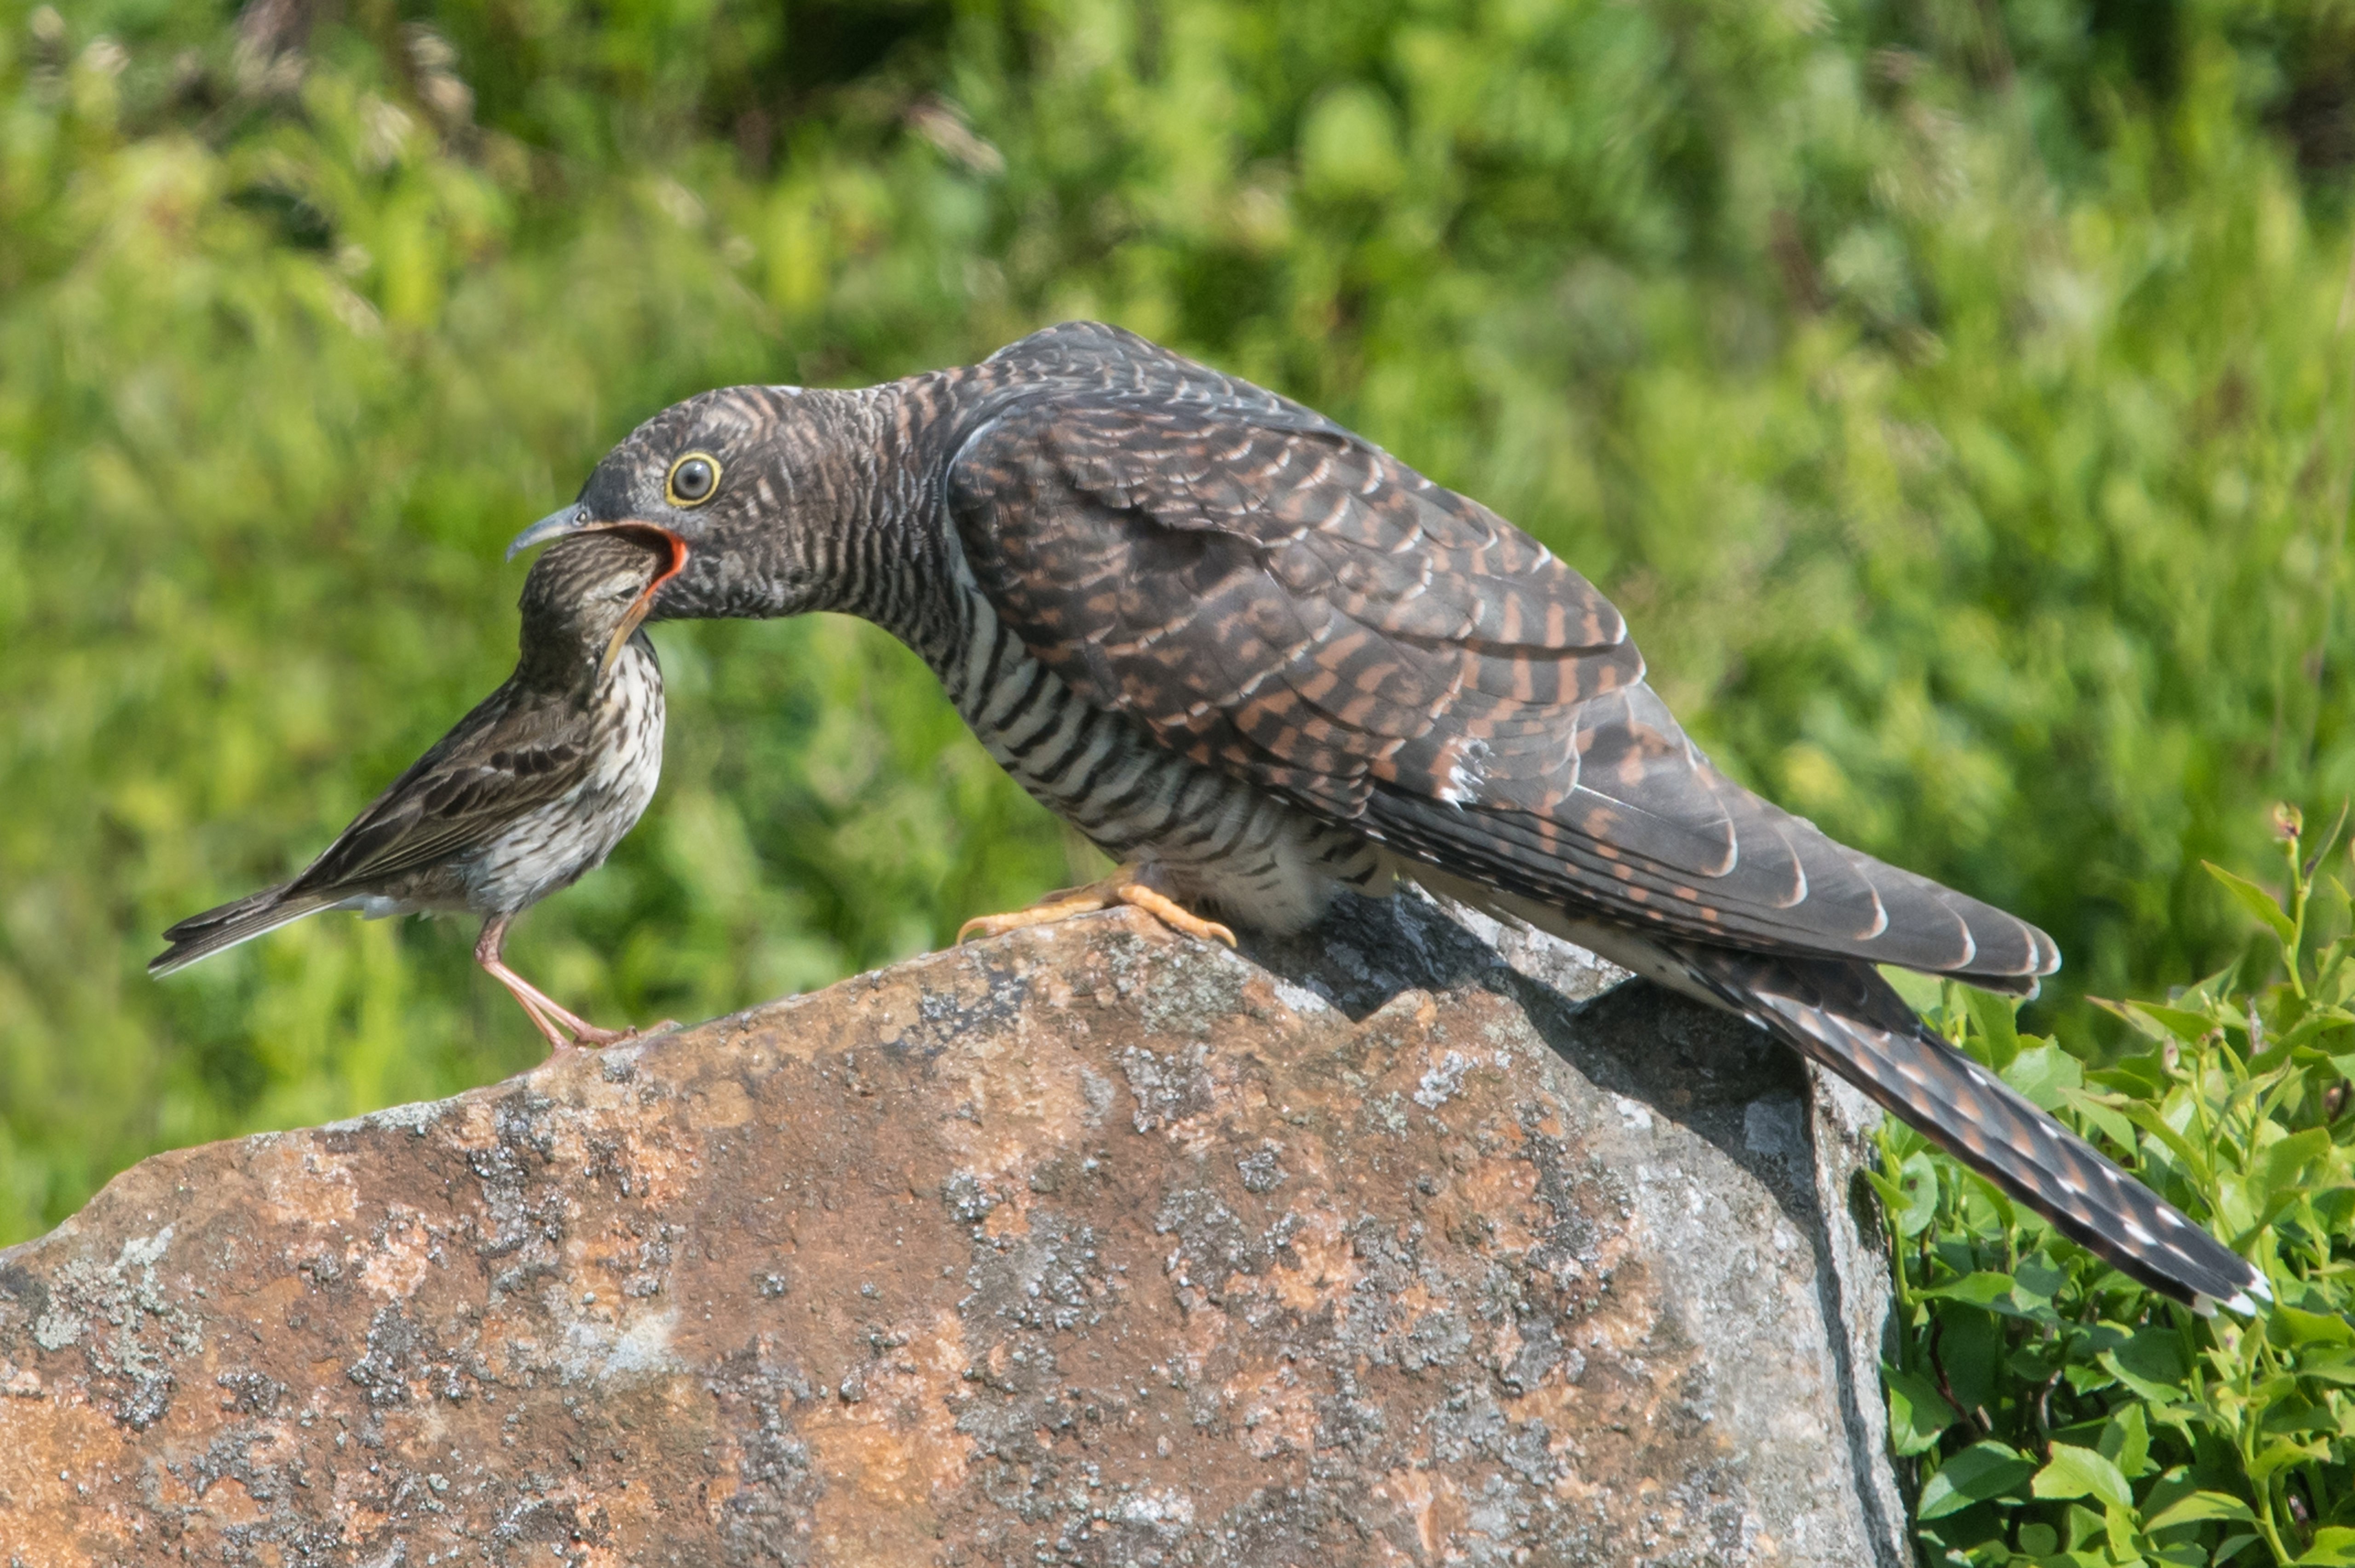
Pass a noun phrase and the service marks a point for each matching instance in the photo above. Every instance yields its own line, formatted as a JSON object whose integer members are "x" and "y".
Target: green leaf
{"x": 2081, "y": 1473}
{"x": 1996, "y": 1026}
{"x": 2283, "y": 1453}
{"x": 2331, "y": 1364}
{"x": 2143, "y": 1023}
{"x": 2286, "y": 1159}
{"x": 2118, "y": 1522}
{"x": 1985, "y": 1470}
{"x": 2307, "y": 1029}
{"x": 1983, "y": 1288}
{"x": 2255, "y": 900}
{"x": 2133, "y": 1013}
{"x": 2145, "y": 1077}
{"x": 1917, "y": 1183}
{"x": 2147, "y": 1118}
{"x": 1918, "y": 1413}
{"x": 2189, "y": 1027}
{"x": 1925, "y": 994}
{"x": 2125, "y": 1441}
{"x": 2151, "y": 1363}
{"x": 2044, "y": 1074}
{"x": 2199, "y": 1507}
{"x": 2037, "y": 1278}
{"x": 2333, "y": 1547}
{"x": 2106, "y": 1119}
{"x": 2289, "y": 1413}
{"x": 2292, "y": 1325}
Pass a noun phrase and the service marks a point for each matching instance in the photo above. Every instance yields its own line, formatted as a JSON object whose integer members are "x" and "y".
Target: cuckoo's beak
{"x": 556, "y": 525}
{"x": 635, "y": 615}
{"x": 568, "y": 521}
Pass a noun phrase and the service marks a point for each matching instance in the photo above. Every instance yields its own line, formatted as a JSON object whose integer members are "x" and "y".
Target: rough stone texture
{"x": 1091, "y": 1245}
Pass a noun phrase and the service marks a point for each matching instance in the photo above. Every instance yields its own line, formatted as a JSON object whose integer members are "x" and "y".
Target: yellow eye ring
{"x": 692, "y": 481}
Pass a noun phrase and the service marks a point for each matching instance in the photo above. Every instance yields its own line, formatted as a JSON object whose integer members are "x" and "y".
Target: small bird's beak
{"x": 635, "y": 615}
{"x": 630, "y": 624}
{"x": 556, "y": 525}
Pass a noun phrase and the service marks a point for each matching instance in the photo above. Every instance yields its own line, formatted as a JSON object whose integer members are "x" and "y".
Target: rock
{"x": 1089, "y": 1245}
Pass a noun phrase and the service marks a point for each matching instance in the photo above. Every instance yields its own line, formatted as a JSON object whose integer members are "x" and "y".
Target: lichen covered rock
{"x": 1089, "y": 1245}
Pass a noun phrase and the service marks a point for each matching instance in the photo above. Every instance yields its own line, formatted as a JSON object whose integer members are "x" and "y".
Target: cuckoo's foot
{"x": 1125, "y": 886}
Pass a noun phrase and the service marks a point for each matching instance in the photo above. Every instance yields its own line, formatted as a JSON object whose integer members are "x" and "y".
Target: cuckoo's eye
{"x": 694, "y": 479}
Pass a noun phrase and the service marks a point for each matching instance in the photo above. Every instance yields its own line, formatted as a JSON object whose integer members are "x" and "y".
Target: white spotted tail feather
{"x": 1847, "y": 1018}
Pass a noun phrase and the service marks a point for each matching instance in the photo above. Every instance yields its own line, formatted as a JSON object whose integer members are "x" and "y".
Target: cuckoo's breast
{"x": 1219, "y": 839}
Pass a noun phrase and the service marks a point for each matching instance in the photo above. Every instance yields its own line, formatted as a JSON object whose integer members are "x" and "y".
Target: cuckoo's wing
{"x": 1269, "y": 594}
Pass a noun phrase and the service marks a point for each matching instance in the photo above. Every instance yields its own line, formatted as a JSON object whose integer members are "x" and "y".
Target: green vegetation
{"x": 1958, "y": 396}
{"x": 2063, "y": 1415}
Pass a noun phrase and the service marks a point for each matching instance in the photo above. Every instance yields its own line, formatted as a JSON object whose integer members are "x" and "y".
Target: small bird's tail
{"x": 202, "y": 935}
{"x": 1843, "y": 1015}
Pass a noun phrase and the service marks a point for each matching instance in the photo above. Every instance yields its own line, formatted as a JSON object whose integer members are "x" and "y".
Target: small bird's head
{"x": 729, "y": 475}
{"x": 585, "y": 597}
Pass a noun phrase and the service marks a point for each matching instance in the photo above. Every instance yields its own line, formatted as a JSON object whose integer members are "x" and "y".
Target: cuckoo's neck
{"x": 875, "y": 539}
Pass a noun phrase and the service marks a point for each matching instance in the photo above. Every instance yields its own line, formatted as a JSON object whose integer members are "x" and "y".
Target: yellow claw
{"x": 1173, "y": 914}
{"x": 1121, "y": 887}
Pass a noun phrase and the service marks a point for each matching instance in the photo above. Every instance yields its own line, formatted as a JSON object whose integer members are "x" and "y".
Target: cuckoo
{"x": 1257, "y": 659}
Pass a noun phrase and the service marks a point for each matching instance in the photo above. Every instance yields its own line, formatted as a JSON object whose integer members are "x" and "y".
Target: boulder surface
{"x": 1405, "y": 1242}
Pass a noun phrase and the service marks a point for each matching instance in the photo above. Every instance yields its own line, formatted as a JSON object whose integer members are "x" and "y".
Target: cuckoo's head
{"x": 583, "y": 600}
{"x": 737, "y": 478}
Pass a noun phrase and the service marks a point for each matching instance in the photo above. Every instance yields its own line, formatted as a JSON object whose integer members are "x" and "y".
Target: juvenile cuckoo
{"x": 1256, "y": 658}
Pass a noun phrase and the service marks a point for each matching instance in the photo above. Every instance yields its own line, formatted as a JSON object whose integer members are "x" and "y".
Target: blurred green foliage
{"x": 2061, "y": 1415}
{"x": 1954, "y": 394}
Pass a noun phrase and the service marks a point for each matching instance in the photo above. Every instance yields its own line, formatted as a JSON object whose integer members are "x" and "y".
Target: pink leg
{"x": 557, "y": 1041}
{"x": 554, "y": 1022}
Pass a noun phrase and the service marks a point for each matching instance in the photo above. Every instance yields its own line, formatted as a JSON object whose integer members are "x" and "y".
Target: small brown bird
{"x": 531, "y": 790}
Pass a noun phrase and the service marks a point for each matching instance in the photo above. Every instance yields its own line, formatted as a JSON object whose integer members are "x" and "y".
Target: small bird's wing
{"x": 506, "y": 758}
{"x": 1270, "y": 594}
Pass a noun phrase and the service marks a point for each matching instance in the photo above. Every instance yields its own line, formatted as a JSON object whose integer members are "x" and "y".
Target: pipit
{"x": 531, "y": 790}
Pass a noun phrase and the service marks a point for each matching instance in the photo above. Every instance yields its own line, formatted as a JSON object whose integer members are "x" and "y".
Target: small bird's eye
{"x": 694, "y": 479}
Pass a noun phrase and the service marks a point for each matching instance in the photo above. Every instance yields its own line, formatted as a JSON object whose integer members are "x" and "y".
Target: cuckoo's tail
{"x": 1845, "y": 1016}
{"x": 202, "y": 935}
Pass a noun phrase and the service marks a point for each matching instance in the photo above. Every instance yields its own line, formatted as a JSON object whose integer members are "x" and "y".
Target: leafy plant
{"x": 2062, "y": 1414}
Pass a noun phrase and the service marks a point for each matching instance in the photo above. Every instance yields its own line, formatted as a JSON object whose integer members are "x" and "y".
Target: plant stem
{"x": 2299, "y": 888}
